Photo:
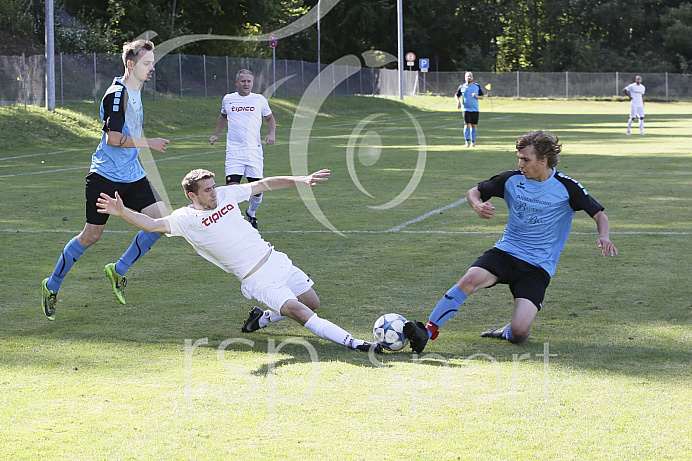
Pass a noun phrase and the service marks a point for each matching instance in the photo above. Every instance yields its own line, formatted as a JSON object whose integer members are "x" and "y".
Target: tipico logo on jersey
{"x": 235, "y": 108}
{"x": 214, "y": 217}
{"x": 366, "y": 145}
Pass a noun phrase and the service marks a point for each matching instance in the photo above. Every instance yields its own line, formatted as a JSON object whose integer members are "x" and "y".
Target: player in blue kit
{"x": 115, "y": 167}
{"x": 541, "y": 203}
{"x": 470, "y": 93}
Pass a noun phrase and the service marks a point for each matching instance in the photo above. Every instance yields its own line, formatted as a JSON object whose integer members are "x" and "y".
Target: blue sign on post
{"x": 424, "y": 63}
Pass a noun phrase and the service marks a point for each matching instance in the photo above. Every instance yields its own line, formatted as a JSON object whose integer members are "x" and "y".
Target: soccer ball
{"x": 389, "y": 332}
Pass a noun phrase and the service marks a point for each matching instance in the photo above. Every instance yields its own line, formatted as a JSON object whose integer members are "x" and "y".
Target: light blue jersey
{"x": 121, "y": 110}
{"x": 540, "y": 214}
{"x": 469, "y": 103}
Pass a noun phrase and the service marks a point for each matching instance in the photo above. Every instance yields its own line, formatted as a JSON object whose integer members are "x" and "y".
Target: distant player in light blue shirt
{"x": 541, "y": 203}
{"x": 115, "y": 168}
{"x": 467, "y": 97}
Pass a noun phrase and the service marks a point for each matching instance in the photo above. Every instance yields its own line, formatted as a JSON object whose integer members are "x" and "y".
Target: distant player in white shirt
{"x": 242, "y": 113}
{"x": 215, "y": 227}
{"x": 636, "y": 91}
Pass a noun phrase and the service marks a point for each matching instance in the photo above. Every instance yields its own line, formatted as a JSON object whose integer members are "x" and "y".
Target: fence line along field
{"x": 605, "y": 374}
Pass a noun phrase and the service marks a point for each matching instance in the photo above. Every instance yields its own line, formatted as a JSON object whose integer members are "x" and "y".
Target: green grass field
{"x": 605, "y": 375}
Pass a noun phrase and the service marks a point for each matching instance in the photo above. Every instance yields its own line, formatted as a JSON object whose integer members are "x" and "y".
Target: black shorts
{"x": 235, "y": 179}
{"x": 525, "y": 280}
{"x": 136, "y": 195}
{"x": 471, "y": 118}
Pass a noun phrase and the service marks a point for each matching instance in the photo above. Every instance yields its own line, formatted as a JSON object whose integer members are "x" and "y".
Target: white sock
{"x": 254, "y": 204}
{"x": 629, "y": 124}
{"x": 268, "y": 317}
{"x": 641, "y": 124}
{"x": 334, "y": 333}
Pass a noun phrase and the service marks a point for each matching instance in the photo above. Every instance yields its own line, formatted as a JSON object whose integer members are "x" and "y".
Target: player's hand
{"x": 474, "y": 95}
{"x": 606, "y": 247}
{"x": 213, "y": 139}
{"x": 458, "y": 105}
{"x": 158, "y": 144}
{"x": 485, "y": 210}
{"x": 109, "y": 205}
{"x": 317, "y": 176}
{"x": 269, "y": 139}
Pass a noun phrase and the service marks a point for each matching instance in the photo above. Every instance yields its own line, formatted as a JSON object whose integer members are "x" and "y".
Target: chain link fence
{"x": 86, "y": 77}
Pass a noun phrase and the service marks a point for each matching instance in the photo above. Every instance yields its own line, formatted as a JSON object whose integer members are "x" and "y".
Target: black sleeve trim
{"x": 495, "y": 186}
{"x": 579, "y": 198}
{"x": 114, "y": 104}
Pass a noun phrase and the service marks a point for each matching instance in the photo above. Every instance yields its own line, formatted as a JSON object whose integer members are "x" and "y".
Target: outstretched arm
{"x": 282, "y": 182}
{"x": 118, "y": 139}
{"x": 115, "y": 207}
{"x": 603, "y": 240}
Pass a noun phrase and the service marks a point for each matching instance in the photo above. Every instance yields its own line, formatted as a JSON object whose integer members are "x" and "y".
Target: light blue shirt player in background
{"x": 121, "y": 111}
{"x": 115, "y": 168}
{"x": 541, "y": 203}
{"x": 470, "y": 93}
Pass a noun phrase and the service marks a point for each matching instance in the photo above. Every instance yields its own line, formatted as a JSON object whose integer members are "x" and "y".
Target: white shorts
{"x": 245, "y": 162}
{"x": 636, "y": 111}
{"x": 277, "y": 281}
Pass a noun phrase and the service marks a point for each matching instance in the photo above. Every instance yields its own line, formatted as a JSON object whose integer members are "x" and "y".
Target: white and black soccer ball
{"x": 389, "y": 332}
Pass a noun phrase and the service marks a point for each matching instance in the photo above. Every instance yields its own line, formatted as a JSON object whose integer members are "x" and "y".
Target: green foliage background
{"x": 485, "y": 35}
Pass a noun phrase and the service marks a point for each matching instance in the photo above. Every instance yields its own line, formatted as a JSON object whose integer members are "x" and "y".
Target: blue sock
{"x": 448, "y": 306}
{"x": 140, "y": 245}
{"x": 473, "y": 135}
{"x": 508, "y": 336}
{"x": 467, "y": 133}
{"x": 70, "y": 254}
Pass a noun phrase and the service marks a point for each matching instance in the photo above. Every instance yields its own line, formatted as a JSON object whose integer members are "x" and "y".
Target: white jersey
{"x": 222, "y": 235}
{"x": 244, "y": 115}
{"x": 637, "y": 93}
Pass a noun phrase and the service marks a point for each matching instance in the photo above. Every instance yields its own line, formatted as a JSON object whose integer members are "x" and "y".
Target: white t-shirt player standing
{"x": 242, "y": 113}
{"x": 636, "y": 92}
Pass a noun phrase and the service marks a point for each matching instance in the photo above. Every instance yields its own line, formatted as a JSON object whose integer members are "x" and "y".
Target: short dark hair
{"x": 545, "y": 145}
{"x": 132, "y": 49}
{"x": 191, "y": 180}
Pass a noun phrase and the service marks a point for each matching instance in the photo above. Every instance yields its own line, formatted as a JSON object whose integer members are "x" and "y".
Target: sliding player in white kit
{"x": 215, "y": 227}
{"x": 242, "y": 113}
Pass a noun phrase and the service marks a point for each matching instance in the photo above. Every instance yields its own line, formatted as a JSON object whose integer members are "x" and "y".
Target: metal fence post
{"x": 228, "y": 84}
{"x": 666, "y": 86}
{"x": 204, "y": 65}
{"x": 180, "y": 72}
{"x": 62, "y": 100}
{"x": 373, "y": 80}
{"x": 96, "y": 95}
{"x": 566, "y": 85}
{"x": 517, "y": 84}
{"x": 24, "y": 78}
{"x": 347, "y": 94}
{"x": 617, "y": 83}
